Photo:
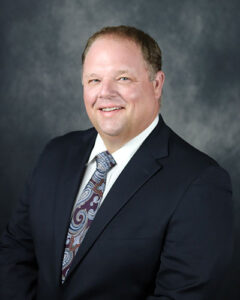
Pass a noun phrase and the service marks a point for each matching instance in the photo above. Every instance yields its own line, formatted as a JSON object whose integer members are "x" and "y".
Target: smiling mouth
{"x": 111, "y": 108}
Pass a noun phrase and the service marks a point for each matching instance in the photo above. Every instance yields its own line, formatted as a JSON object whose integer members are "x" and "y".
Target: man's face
{"x": 120, "y": 99}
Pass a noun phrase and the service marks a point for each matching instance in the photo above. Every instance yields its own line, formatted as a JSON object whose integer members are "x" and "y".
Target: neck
{"x": 113, "y": 143}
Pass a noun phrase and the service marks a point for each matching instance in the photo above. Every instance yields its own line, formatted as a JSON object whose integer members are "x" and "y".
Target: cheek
{"x": 140, "y": 101}
{"x": 131, "y": 95}
{"x": 88, "y": 97}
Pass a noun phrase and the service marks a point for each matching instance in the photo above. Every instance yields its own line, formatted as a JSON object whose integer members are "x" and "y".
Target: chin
{"x": 110, "y": 129}
{"x": 111, "y": 132}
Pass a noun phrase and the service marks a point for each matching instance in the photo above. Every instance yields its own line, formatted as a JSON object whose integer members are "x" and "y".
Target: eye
{"x": 94, "y": 80}
{"x": 123, "y": 78}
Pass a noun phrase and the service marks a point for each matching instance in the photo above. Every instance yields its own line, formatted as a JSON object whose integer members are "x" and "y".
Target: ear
{"x": 158, "y": 84}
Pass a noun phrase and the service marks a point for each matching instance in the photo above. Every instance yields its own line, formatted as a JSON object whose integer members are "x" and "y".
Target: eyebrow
{"x": 92, "y": 75}
{"x": 120, "y": 72}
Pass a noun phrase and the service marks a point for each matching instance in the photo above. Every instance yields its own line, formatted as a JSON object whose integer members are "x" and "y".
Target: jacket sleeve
{"x": 18, "y": 267}
{"x": 18, "y": 264}
{"x": 199, "y": 241}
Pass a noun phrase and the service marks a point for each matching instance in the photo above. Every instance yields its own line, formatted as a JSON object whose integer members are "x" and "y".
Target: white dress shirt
{"x": 121, "y": 156}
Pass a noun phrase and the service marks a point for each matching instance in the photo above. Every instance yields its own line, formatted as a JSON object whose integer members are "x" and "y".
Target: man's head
{"x": 121, "y": 88}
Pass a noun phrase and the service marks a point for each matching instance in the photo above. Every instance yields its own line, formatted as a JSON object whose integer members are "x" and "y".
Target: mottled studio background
{"x": 41, "y": 93}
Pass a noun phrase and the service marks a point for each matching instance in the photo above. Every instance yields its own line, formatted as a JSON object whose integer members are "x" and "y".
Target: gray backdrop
{"x": 41, "y": 93}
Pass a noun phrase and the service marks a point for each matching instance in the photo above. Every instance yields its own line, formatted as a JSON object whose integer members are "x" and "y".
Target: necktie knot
{"x": 105, "y": 162}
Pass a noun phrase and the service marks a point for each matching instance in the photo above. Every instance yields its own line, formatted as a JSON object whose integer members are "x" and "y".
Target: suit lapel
{"x": 143, "y": 165}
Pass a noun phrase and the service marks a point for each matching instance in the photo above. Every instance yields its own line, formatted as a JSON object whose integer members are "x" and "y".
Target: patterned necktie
{"x": 85, "y": 209}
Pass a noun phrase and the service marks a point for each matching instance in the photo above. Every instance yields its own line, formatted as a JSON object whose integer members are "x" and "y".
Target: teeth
{"x": 110, "y": 108}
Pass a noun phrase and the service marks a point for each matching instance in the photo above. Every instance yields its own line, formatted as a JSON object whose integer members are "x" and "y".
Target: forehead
{"x": 109, "y": 39}
{"x": 114, "y": 49}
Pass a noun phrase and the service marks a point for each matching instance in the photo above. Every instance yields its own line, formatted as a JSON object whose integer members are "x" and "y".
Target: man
{"x": 127, "y": 210}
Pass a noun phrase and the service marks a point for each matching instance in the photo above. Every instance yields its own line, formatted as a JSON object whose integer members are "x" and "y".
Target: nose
{"x": 107, "y": 89}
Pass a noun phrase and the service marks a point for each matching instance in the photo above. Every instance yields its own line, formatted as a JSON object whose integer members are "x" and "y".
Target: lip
{"x": 111, "y": 108}
{"x": 110, "y": 111}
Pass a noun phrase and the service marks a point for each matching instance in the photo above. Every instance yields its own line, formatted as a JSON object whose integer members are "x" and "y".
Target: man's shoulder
{"x": 184, "y": 159}
{"x": 58, "y": 148}
{"x": 184, "y": 150}
{"x": 177, "y": 149}
{"x": 71, "y": 139}
{"x": 185, "y": 163}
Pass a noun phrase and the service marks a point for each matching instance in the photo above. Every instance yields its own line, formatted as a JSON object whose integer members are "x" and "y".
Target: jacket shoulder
{"x": 187, "y": 163}
{"x": 182, "y": 150}
{"x": 73, "y": 138}
{"x": 62, "y": 144}
{"x": 58, "y": 148}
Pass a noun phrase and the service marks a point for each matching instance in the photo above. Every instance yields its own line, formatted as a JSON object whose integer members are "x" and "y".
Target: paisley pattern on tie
{"x": 85, "y": 209}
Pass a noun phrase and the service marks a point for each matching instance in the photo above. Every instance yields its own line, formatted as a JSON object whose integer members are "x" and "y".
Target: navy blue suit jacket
{"x": 164, "y": 231}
